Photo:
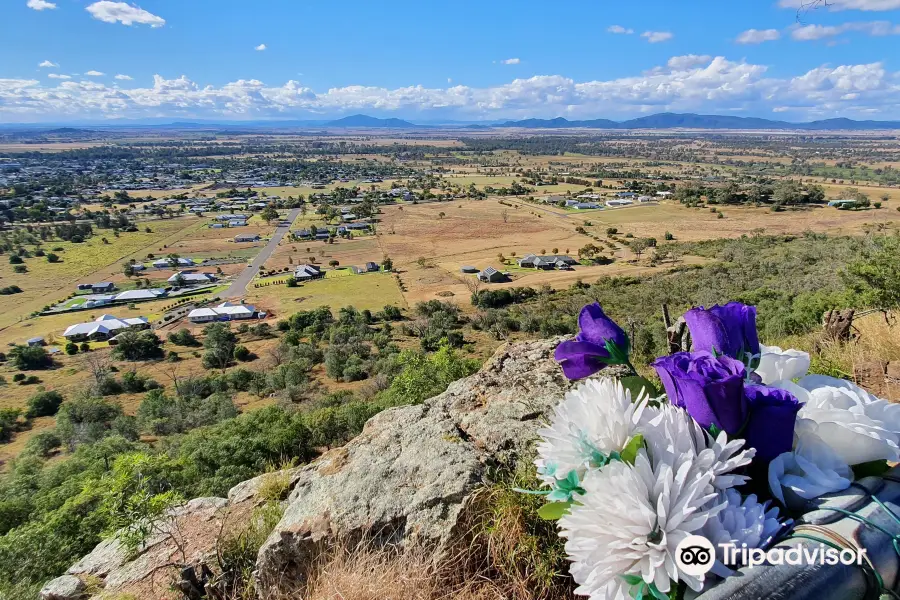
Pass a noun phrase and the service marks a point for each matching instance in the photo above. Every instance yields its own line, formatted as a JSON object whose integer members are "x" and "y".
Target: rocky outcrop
{"x": 66, "y": 587}
{"x": 408, "y": 477}
{"x": 411, "y": 474}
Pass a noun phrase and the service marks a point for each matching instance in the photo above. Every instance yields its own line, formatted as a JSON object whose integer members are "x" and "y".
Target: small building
{"x": 623, "y": 202}
{"x": 843, "y": 203}
{"x": 237, "y": 223}
{"x": 322, "y": 235}
{"x": 137, "y": 295}
{"x": 468, "y": 269}
{"x": 226, "y": 311}
{"x": 664, "y": 194}
{"x": 585, "y": 206}
{"x": 547, "y": 263}
{"x": 165, "y": 263}
{"x": 98, "y": 300}
{"x": 190, "y": 278}
{"x": 104, "y": 328}
{"x": 36, "y": 341}
{"x": 644, "y": 199}
{"x": 307, "y": 273}
{"x": 491, "y": 275}
{"x": 102, "y": 287}
{"x": 303, "y": 234}
{"x": 247, "y": 237}
{"x": 372, "y": 267}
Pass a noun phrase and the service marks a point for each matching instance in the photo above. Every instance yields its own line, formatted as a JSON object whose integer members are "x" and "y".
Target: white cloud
{"x": 758, "y": 36}
{"x": 838, "y": 5}
{"x": 807, "y": 33}
{"x": 94, "y": 74}
{"x": 688, "y": 61}
{"x": 511, "y": 61}
{"x": 58, "y": 76}
{"x": 48, "y": 65}
{"x": 260, "y": 48}
{"x": 40, "y": 5}
{"x": 684, "y": 84}
{"x": 619, "y": 29}
{"x": 449, "y": 80}
{"x": 654, "y": 37}
{"x": 121, "y": 77}
{"x": 121, "y": 12}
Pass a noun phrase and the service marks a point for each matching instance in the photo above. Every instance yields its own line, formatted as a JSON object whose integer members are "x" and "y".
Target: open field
{"x": 428, "y": 250}
{"x": 369, "y": 291}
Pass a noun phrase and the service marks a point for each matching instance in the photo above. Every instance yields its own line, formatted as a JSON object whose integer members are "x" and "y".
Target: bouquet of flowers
{"x": 631, "y": 473}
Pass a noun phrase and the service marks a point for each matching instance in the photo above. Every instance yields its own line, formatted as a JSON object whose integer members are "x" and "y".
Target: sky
{"x": 85, "y": 60}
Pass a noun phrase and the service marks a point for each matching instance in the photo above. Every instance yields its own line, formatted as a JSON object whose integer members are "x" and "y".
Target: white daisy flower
{"x": 594, "y": 420}
{"x": 630, "y": 522}
{"x": 672, "y": 436}
{"x": 742, "y": 522}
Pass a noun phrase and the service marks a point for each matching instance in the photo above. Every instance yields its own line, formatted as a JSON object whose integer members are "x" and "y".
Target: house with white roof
{"x": 226, "y": 311}
{"x": 165, "y": 263}
{"x": 146, "y": 294}
{"x": 105, "y": 327}
{"x": 190, "y": 278}
{"x": 307, "y": 272}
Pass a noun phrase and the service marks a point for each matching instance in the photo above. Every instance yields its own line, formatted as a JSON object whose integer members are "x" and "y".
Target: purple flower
{"x": 709, "y": 387}
{"x": 600, "y": 342}
{"x": 729, "y": 329}
{"x": 773, "y": 414}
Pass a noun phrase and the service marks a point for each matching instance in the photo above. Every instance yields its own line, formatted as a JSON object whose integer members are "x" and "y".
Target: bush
{"x": 30, "y": 358}
{"x": 52, "y": 258}
{"x": 183, "y": 337}
{"x": 20, "y": 269}
{"x": 137, "y": 345}
{"x": 15, "y": 259}
{"x": 30, "y": 380}
{"x": 44, "y": 404}
{"x": 18, "y": 377}
{"x": 88, "y": 419}
{"x": 9, "y": 423}
{"x": 71, "y": 348}
{"x": 10, "y": 290}
{"x": 242, "y": 353}
{"x": 84, "y": 347}
{"x": 43, "y": 444}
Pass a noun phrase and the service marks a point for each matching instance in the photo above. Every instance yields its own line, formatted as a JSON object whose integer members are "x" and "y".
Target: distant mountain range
{"x": 693, "y": 121}
{"x": 657, "y": 121}
{"x": 372, "y": 122}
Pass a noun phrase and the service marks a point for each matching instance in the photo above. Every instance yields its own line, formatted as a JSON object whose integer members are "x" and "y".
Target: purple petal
{"x": 597, "y": 328}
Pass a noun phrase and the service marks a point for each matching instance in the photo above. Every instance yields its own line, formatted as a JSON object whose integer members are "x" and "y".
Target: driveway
{"x": 238, "y": 287}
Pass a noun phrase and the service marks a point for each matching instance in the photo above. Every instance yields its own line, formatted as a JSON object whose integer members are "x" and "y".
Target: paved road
{"x": 238, "y": 287}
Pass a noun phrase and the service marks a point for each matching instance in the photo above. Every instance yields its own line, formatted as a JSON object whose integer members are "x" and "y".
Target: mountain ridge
{"x": 697, "y": 121}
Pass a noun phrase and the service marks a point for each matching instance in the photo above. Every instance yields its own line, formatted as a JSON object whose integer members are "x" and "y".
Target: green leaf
{"x": 631, "y": 579}
{"x": 636, "y": 384}
{"x": 552, "y": 511}
{"x": 629, "y": 453}
{"x": 714, "y": 430}
{"x": 870, "y": 469}
{"x": 657, "y": 594}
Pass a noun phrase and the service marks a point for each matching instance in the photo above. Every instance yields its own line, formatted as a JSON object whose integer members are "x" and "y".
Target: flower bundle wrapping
{"x": 630, "y": 473}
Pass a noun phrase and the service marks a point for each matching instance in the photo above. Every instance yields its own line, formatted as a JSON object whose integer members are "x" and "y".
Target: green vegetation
{"x": 111, "y": 481}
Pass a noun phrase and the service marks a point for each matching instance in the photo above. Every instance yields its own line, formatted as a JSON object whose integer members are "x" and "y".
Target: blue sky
{"x": 290, "y": 59}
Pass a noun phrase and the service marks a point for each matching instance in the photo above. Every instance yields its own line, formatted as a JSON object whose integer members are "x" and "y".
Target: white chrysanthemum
{"x": 672, "y": 436}
{"x": 776, "y": 364}
{"x": 596, "y": 417}
{"x": 741, "y": 522}
{"x": 858, "y": 426}
{"x": 812, "y": 469}
{"x": 630, "y": 522}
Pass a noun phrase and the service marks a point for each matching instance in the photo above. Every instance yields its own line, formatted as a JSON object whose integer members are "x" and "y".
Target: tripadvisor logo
{"x": 696, "y": 555}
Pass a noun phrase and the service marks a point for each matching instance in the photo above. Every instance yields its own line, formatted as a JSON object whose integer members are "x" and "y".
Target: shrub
{"x": 15, "y": 259}
{"x": 183, "y": 337}
{"x": 71, "y": 348}
{"x": 85, "y": 347}
{"x": 20, "y": 269}
{"x": 9, "y": 290}
{"x": 242, "y": 353}
{"x": 9, "y": 423}
{"x": 137, "y": 345}
{"x": 44, "y": 404}
{"x": 43, "y": 444}
{"x": 18, "y": 377}
{"x": 87, "y": 419}
{"x": 28, "y": 358}
{"x": 52, "y": 258}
